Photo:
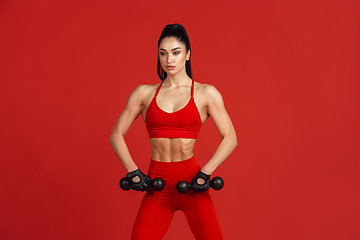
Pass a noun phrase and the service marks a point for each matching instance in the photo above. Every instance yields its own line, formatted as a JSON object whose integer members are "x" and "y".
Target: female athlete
{"x": 174, "y": 111}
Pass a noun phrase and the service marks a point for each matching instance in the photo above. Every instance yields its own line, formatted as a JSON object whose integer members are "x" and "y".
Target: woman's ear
{"x": 188, "y": 55}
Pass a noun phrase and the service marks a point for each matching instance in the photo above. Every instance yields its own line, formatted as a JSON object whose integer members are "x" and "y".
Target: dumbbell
{"x": 157, "y": 184}
{"x": 216, "y": 183}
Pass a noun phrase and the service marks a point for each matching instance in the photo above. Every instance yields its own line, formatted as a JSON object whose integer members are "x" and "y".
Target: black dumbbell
{"x": 157, "y": 184}
{"x": 216, "y": 183}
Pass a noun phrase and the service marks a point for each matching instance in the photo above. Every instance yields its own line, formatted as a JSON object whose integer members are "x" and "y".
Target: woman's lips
{"x": 170, "y": 67}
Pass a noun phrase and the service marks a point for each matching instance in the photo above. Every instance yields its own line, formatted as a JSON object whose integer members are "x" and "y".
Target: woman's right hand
{"x": 140, "y": 181}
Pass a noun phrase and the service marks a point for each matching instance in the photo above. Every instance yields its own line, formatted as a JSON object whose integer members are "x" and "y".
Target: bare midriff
{"x": 171, "y": 149}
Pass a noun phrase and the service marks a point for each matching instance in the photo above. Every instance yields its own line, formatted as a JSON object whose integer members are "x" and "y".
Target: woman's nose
{"x": 169, "y": 58}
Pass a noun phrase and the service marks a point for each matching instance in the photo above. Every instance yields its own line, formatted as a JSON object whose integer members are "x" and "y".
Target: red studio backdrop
{"x": 289, "y": 75}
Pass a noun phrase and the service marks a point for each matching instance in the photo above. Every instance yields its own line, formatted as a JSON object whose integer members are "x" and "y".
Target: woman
{"x": 174, "y": 111}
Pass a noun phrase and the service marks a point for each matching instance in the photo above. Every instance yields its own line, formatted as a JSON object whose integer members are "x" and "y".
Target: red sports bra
{"x": 184, "y": 123}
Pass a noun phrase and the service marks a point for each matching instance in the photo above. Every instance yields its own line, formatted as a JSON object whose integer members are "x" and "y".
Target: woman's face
{"x": 173, "y": 55}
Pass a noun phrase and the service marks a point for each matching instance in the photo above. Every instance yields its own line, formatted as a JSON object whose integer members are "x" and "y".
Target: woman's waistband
{"x": 170, "y": 168}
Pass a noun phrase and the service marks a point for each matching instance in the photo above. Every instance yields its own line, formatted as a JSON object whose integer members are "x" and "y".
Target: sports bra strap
{"x": 157, "y": 91}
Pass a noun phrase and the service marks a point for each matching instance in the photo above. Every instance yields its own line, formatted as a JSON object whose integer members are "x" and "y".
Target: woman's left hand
{"x": 201, "y": 182}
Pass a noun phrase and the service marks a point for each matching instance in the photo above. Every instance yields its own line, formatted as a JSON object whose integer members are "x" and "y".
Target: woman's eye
{"x": 162, "y": 54}
{"x": 176, "y": 53}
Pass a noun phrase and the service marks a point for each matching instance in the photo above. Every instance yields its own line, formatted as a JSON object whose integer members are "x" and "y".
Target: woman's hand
{"x": 201, "y": 182}
{"x": 140, "y": 181}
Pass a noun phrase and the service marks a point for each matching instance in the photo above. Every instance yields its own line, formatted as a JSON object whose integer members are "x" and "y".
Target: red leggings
{"x": 157, "y": 208}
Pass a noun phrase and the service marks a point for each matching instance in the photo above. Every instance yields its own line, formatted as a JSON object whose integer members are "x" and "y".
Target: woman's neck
{"x": 178, "y": 80}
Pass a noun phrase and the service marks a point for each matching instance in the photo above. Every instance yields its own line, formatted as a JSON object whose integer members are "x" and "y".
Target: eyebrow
{"x": 171, "y": 49}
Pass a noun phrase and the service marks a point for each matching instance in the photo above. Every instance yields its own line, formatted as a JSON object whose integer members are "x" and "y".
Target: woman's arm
{"x": 132, "y": 110}
{"x": 222, "y": 121}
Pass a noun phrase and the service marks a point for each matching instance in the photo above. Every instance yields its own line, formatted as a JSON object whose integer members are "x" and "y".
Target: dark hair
{"x": 178, "y": 31}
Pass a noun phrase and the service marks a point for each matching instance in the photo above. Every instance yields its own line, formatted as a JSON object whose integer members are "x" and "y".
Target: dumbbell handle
{"x": 216, "y": 183}
{"x": 157, "y": 184}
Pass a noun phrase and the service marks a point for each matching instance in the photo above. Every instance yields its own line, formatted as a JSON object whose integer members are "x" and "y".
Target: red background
{"x": 288, "y": 72}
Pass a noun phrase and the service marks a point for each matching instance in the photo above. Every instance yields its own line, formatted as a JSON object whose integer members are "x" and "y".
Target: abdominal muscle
{"x": 171, "y": 149}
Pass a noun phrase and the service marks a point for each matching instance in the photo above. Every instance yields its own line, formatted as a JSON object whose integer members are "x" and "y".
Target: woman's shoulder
{"x": 206, "y": 89}
{"x": 144, "y": 89}
{"x": 147, "y": 87}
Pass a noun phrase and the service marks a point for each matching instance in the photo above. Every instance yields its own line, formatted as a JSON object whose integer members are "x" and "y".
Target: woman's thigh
{"x": 153, "y": 219}
{"x": 201, "y": 216}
